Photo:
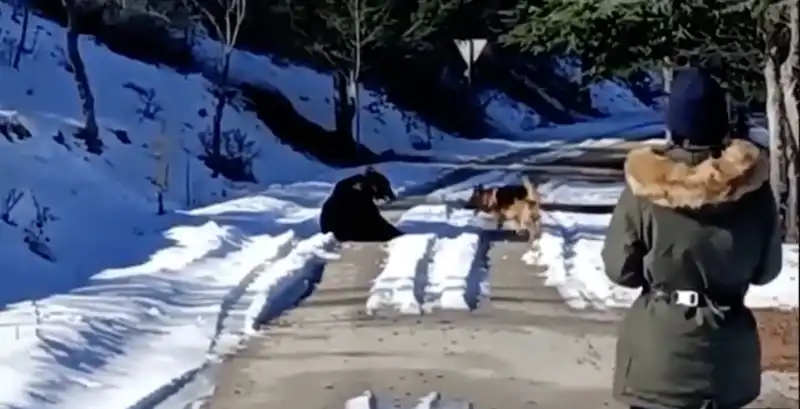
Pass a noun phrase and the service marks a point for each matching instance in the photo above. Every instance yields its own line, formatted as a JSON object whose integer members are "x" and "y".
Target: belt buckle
{"x": 686, "y": 298}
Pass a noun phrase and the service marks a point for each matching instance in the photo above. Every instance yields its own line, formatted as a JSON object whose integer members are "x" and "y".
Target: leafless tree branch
{"x": 227, "y": 26}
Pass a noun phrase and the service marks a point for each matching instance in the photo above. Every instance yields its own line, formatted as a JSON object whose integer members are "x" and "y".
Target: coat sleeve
{"x": 771, "y": 262}
{"x": 624, "y": 249}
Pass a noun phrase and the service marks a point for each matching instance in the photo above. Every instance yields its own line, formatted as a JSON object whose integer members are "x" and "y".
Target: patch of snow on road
{"x": 455, "y": 279}
{"x": 397, "y": 286}
{"x": 449, "y": 270}
{"x": 433, "y": 400}
{"x": 400, "y": 285}
{"x": 290, "y": 280}
{"x": 573, "y": 192}
{"x": 631, "y": 126}
{"x": 433, "y": 265}
{"x": 558, "y": 274}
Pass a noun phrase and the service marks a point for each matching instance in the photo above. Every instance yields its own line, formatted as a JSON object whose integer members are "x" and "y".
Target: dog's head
{"x": 481, "y": 199}
{"x": 378, "y": 185}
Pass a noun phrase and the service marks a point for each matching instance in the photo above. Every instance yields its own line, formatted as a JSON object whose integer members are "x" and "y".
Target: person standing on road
{"x": 694, "y": 227}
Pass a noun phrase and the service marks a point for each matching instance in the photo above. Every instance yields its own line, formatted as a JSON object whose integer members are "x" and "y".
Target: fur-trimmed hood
{"x": 740, "y": 169}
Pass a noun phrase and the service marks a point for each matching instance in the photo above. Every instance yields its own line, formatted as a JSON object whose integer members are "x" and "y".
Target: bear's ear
{"x": 369, "y": 170}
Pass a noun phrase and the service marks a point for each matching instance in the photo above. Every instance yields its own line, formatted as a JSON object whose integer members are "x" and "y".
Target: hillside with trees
{"x": 405, "y": 50}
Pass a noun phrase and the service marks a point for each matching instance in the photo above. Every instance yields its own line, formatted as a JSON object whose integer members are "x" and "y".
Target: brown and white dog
{"x": 518, "y": 203}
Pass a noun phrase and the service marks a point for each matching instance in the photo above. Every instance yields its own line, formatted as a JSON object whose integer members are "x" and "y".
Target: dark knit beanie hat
{"x": 697, "y": 113}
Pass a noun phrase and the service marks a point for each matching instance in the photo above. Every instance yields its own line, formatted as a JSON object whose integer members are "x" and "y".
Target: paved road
{"x": 522, "y": 349}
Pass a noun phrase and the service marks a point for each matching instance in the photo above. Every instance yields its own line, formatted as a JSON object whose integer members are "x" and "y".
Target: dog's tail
{"x": 533, "y": 193}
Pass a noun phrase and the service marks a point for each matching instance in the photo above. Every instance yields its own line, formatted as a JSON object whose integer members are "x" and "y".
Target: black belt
{"x": 700, "y": 306}
{"x": 691, "y": 298}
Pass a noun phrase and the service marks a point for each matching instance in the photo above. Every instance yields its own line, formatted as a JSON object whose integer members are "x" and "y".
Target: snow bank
{"x": 154, "y": 322}
{"x": 401, "y": 281}
{"x": 290, "y": 278}
{"x": 449, "y": 271}
{"x": 457, "y": 268}
{"x": 575, "y": 267}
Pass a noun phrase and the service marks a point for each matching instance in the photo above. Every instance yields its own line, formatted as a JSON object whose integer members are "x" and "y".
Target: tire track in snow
{"x": 459, "y": 265}
{"x": 241, "y": 297}
{"x": 570, "y": 258}
{"x": 439, "y": 264}
{"x": 282, "y": 244}
{"x": 400, "y": 285}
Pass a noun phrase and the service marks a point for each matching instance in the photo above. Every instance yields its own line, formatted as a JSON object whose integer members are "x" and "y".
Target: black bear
{"x": 350, "y": 212}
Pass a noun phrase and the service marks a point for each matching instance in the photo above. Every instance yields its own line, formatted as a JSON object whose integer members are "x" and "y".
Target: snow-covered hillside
{"x": 385, "y": 127}
{"x": 147, "y": 113}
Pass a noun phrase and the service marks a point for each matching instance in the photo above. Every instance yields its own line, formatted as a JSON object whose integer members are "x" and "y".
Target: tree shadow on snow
{"x": 77, "y": 261}
{"x": 123, "y": 311}
{"x": 82, "y": 259}
{"x": 91, "y": 325}
{"x": 333, "y": 148}
{"x": 291, "y": 292}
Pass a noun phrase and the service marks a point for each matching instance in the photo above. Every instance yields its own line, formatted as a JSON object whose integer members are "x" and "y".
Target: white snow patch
{"x": 433, "y": 266}
{"x": 397, "y": 285}
{"x": 510, "y": 115}
{"x": 449, "y": 271}
{"x": 433, "y": 400}
{"x": 611, "y": 97}
{"x": 783, "y": 292}
{"x": 453, "y": 265}
{"x": 400, "y": 284}
{"x": 582, "y": 281}
{"x": 366, "y": 400}
{"x": 155, "y": 322}
{"x": 278, "y": 290}
{"x": 571, "y": 250}
{"x": 608, "y": 96}
{"x": 574, "y": 192}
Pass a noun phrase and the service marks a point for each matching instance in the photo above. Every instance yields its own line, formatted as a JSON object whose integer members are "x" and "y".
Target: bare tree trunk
{"x": 343, "y": 105}
{"x": 790, "y": 78}
{"x": 161, "y": 210}
{"x": 667, "y": 72}
{"x": 23, "y": 36}
{"x": 356, "y": 98}
{"x": 89, "y": 133}
{"x": 775, "y": 122}
{"x": 222, "y": 99}
{"x": 354, "y": 93}
{"x": 187, "y": 181}
{"x": 790, "y": 84}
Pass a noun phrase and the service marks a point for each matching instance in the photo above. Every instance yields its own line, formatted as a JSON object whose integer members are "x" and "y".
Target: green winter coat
{"x": 690, "y": 220}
